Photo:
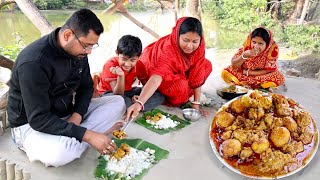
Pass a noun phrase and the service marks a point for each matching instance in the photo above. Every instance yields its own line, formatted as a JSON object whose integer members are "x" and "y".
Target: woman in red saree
{"x": 175, "y": 65}
{"x": 255, "y": 64}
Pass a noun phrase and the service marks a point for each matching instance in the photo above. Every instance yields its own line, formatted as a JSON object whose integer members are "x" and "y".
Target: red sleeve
{"x": 141, "y": 72}
{"x": 271, "y": 63}
{"x": 106, "y": 75}
{"x": 199, "y": 72}
{"x": 164, "y": 67}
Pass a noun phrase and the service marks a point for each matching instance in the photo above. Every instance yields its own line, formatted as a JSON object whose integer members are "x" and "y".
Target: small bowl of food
{"x": 232, "y": 91}
{"x": 191, "y": 114}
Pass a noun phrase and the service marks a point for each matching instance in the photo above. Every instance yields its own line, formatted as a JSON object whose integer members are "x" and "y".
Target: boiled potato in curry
{"x": 263, "y": 134}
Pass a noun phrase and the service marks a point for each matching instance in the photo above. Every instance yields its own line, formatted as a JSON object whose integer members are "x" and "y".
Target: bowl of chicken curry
{"x": 264, "y": 135}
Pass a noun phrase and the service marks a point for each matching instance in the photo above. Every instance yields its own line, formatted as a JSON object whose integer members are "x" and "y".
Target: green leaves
{"x": 306, "y": 37}
{"x": 11, "y": 52}
{"x": 239, "y": 15}
{"x": 139, "y": 144}
{"x": 142, "y": 121}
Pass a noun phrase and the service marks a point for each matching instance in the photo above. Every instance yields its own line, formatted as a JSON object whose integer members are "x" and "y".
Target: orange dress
{"x": 267, "y": 60}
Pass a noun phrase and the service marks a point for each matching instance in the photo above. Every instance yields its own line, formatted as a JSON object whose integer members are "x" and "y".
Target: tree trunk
{"x": 176, "y": 9}
{"x": 297, "y": 10}
{"x": 313, "y": 12}
{"x": 275, "y": 8}
{"x": 6, "y": 63}
{"x": 35, "y": 16}
{"x": 304, "y": 11}
{"x": 119, "y": 6}
{"x": 161, "y": 5}
{"x": 6, "y": 2}
{"x": 193, "y": 9}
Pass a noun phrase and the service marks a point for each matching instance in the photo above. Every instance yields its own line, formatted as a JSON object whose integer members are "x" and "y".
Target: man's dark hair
{"x": 263, "y": 33}
{"x": 82, "y": 21}
{"x": 129, "y": 46}
{"x": 191, "y": 24}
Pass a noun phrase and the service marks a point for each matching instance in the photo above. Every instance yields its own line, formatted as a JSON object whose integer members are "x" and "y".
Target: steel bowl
{"x": 191, "y": 114}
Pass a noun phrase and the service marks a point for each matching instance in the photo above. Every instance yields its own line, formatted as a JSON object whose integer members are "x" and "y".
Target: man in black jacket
{"x": 50, "y": 110}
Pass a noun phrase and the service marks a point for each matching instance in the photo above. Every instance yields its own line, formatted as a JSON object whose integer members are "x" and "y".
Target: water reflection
{"x": 115, "y": 27}
{"x": 161, "y": 23}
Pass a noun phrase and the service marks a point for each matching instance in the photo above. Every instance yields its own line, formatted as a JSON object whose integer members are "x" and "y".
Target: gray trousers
{"x": 53, "y": 150}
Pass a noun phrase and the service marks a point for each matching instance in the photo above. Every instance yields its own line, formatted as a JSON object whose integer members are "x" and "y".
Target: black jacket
{"x": 43, "y": 81}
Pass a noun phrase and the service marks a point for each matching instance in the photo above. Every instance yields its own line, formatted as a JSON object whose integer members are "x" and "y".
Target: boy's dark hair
{"x": 82, "y": 21}
{"x": 129, "y": 46}
{"x": 191, "y": 24}
{"x": 263, "y": 33}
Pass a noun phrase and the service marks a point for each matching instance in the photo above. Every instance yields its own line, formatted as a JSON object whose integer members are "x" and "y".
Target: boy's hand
{"x": 117, "y": 71}
{"x": 75, "y": 118}
{"x": 134, "y": 98}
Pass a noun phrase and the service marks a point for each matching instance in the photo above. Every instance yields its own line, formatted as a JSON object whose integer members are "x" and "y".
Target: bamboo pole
{"x": 3, "y": 169}
{"x": 142, "y": 26}
{"x": 26, "y": 175}
{"x": 18, "y": 173}
{"x": 10, "y": 170}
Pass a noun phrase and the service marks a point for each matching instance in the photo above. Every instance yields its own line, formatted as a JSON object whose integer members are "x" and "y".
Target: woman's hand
{"x": 245, "y": 72}
{"x": 133, "y": 111}
{"x": 202, "y": 111}
{"x": 250, "y": 53}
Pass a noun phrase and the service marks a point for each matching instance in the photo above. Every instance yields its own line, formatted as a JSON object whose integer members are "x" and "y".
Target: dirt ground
{"x": 308, "y": 65}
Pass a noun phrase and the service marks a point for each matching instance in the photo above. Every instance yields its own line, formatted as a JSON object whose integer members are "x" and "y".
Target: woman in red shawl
{"x": 175, "y": 65}
{"x": 255, "y": 64}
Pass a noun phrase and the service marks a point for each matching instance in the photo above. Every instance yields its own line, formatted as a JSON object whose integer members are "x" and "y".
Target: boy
{"x": 120, "y": 72}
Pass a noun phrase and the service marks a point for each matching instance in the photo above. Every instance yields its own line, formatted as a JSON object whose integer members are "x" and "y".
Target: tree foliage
{"x": 60, "y": 4}
{"x": 245, "y": 15}
{"x": 307, "y": 37}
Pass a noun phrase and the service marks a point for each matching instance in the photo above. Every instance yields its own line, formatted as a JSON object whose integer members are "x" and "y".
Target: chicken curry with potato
{"x": 263, "y": 134}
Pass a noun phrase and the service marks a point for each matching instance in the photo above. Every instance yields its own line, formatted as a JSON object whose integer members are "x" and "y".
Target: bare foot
{"x": 118, "y": 125}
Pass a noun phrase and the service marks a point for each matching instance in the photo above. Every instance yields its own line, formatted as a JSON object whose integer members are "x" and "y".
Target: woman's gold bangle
{"x": 243, "y": 57}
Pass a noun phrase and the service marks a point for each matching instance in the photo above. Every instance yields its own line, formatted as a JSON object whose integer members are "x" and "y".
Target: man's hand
{"x": 117, "y": 71}
{"x": 102, "y": 143}
{"x": 75, "y": 118}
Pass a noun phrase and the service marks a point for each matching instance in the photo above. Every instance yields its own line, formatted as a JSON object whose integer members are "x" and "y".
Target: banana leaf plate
{"x": 102, "y": 173}
{"x": 142, "y": 121}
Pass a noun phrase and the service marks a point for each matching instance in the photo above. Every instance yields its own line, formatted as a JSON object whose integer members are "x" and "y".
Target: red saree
{"x": 265, "y": 60}
{"x": 181, "y": 73}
